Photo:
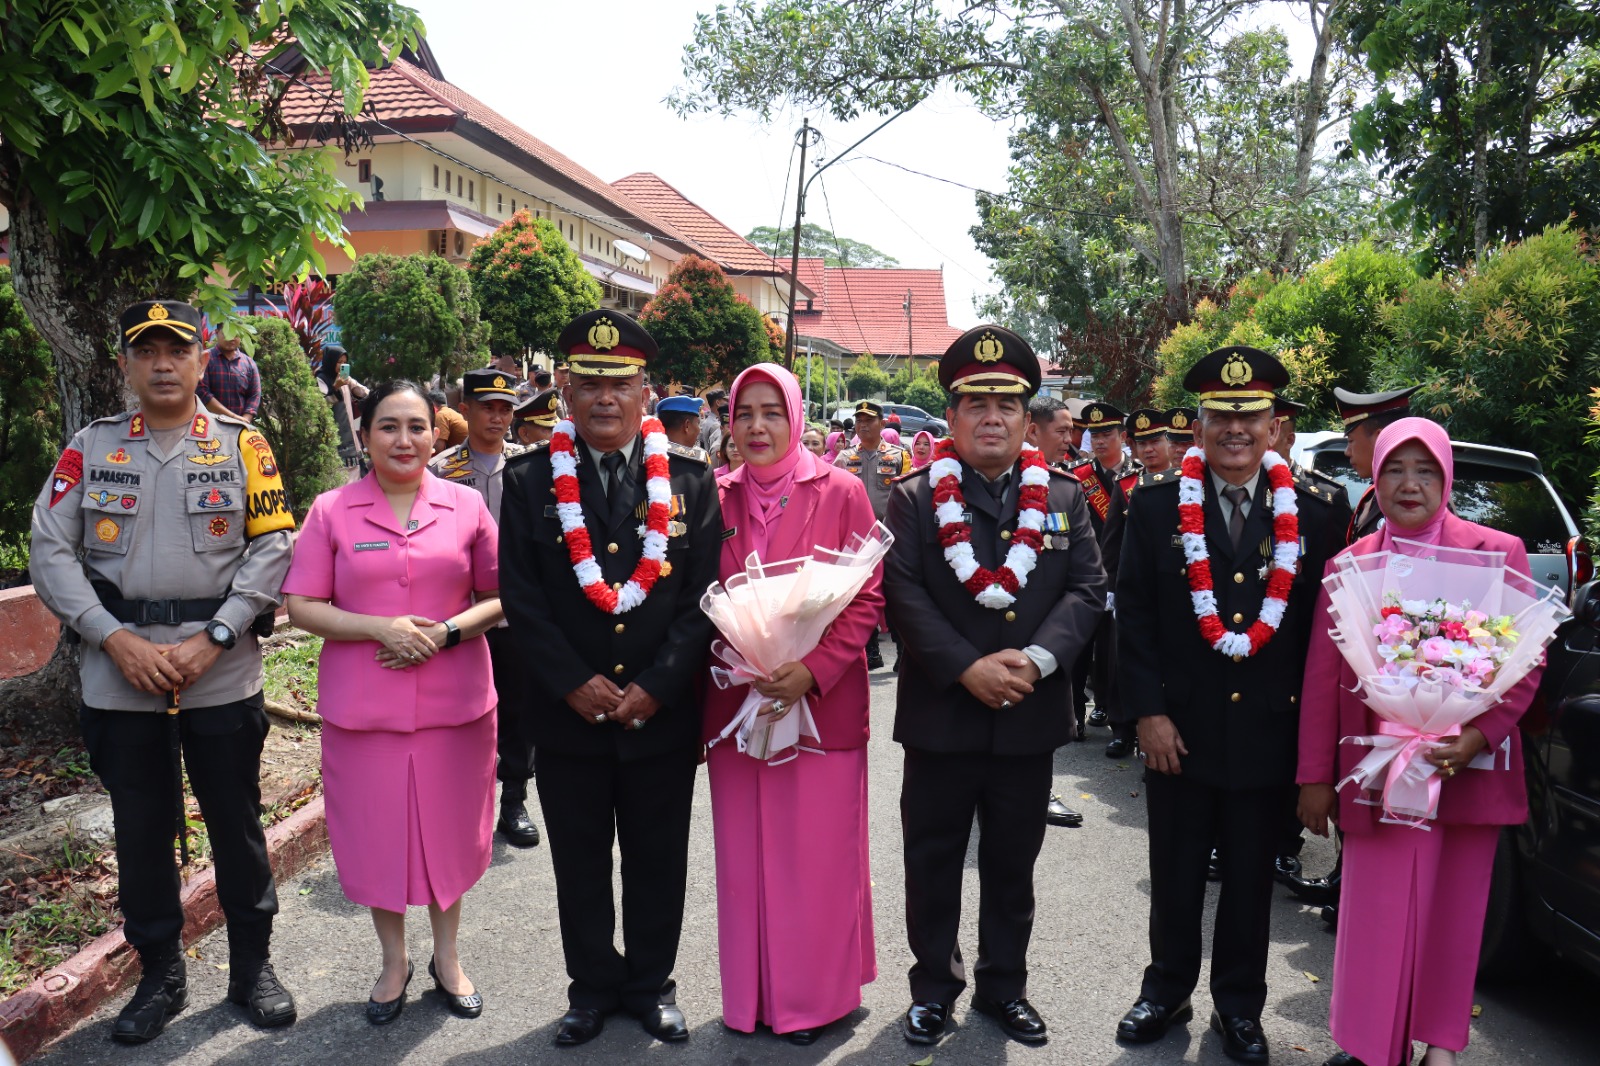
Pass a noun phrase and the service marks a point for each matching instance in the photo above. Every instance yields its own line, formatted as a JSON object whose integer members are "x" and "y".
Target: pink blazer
{"x": 826, "y": 507}
{"x": 352, "y": 552}
{"x": 1329, "y": 712}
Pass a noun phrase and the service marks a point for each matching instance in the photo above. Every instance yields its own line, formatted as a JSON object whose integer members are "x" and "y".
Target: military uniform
{"x": 169, "y": 542}
{"x": 1368, "y": 409}
{"x": 535, "y": 417}
{"x": 600, "y": 782}
{"x": 961, "y": 757}
{"x": 1237, "y": 717}
{"x": 1180, "y": 429}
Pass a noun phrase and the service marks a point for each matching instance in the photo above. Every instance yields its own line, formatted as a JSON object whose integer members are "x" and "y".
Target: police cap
{"x": 1238, "y": 378}
{"x": 150, "y": 317}
{"x": 990, "y": 359}
{"x": 488, "y": 384}
{"x": 606, "y": 344}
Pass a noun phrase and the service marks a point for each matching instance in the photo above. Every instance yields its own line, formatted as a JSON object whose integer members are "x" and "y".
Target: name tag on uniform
{"x": 372, "y": 545}
{"x": 730, "y": 532}
{"x": 550, "y": 510}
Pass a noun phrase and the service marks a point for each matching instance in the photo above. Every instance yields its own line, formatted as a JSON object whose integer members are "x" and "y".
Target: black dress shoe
{"x": 1098, "y": 717}
{"x": 257, "y": 988}
{"x": 1214, "y": 866}
{"x": 666, "y": 1023}
{"x": 924, "y": 1023}
{"x": 804, "y": 1037}
{"x": 384, "y": 1013}
{"x": 1148, "y": 1021}
{"x": 468, "y": 1006}
{"x": 1242, "y": 1038}
{"x": 1016, "y": 1016}
{"x": 516, "y": 826}
{"x": 163, "y": 991}
{"x": 1343, "y": 1058}
{"x": 1058, "y": 813}
{"x": 1119, "y": 748}
{"x": 1083, "y": 732}
{"x": 579, "y": 1026}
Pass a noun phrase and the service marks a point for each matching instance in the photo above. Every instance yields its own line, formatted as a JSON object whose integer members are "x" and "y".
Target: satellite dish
{"x": 631, "y": 250}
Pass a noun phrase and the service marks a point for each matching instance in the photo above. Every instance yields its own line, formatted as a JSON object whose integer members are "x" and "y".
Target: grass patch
{"x": 54, "y": 917}
{"x": 291, "y": 669}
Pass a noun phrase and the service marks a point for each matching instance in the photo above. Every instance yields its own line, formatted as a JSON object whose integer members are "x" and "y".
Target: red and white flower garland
{"x": 995, "y": 589}
{"x": 1285, "y": 555}
{"x": 658, "y": 490}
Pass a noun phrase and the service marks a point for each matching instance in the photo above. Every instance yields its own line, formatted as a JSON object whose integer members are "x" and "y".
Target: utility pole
{"x": 911, "y": 352}
{"x": 803, "y": 136}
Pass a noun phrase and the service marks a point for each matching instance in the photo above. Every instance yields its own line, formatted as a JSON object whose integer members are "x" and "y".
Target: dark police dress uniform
{"x": 604, "y": 782}
{"x": 172, "y": 544}
{"x": 1370, "y": 409}
{"x": 1237, "y": 718}
{"x": 1106, "y": 492}
{"x": 961, "y": 757}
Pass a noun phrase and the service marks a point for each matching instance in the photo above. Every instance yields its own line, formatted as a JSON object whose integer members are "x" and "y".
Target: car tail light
{"x": 1580, "y": 563}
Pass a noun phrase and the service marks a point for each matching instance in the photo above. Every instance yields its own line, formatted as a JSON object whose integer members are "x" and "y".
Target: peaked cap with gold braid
{"x": 1147, "y": 423}
{"x": 1180, "y": 424}
{"x": 990, "y": 359}
{"x": 171, "y": 316}
{"x": 1237, "y": 379}
{"x": 606, "y": 344}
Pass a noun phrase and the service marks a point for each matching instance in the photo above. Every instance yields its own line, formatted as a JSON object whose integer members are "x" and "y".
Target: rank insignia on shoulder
{"x": 697, "y": 454}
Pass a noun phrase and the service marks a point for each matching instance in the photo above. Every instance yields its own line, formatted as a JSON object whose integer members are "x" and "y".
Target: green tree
{"x": 134, "y": 159}
{"x": 530, "y": 283}
{"x": 294, "y": 416}
{"x": 926, "y": 392}
{"x": 402, "y": 316}
{"x": 30, "y": 423}
{"x": 900, "y": 383}
{"x": 819, "y": 243}
{"x": 866, "y": 378}
{"x": 705, "y": 331}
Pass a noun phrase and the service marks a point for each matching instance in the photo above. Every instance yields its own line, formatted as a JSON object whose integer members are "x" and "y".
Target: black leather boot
{"x": 515, "y": 825}
{"x": 874, "y": 652}
{"x": 163, "y": 991}
{"x": 252, "y": 983}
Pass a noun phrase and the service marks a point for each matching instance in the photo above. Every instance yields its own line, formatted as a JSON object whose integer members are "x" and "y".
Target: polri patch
{"x": 68, "y": 473}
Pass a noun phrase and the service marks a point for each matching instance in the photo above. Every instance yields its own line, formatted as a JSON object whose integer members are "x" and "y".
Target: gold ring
{"x": 1445, "y": 765}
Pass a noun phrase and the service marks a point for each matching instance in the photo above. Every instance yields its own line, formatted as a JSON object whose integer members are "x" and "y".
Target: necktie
{"x": 616, "y": 468}
{"x": 997, "y": 487}
{"x": 1236, "y": 496}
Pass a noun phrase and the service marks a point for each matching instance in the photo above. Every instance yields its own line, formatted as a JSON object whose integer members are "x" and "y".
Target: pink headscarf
{"x": 919, "y": 463}
{"x": 766, "y": 487}
{"x": 1432, "y": 436}
{"x": 830, "y": 450}
{"x": 892, "y": 436}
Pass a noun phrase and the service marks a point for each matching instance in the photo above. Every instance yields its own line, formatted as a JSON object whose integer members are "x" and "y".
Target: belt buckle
{"x": 158, "y": 612}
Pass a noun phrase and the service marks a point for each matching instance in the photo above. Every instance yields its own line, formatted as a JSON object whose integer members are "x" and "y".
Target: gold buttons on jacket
{"x": 616, "y": 586}
{"x": 1294, "y": 699}
{"x": 1237, "y": 618}
{"x": 1238, "y": 579}
{"x": 1238, "y": 658}
{"x": 560, "y": 539}
{"x": 1005, "y": 534}
{"x": 1235, "y": 697}
{"x": 612, "y": 548}
{"x": 620, "y": 627}
{"x": 617, "y": 669}
{"x": 1011, "y": 616}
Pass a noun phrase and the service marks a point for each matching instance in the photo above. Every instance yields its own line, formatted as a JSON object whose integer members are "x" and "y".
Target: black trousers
{"x": 130, "y": 752}
{"x": 645, "y": 806}
{"x": 1185, "y": 817}
{"x": 514, "y": 741}
{"x": 939, "y": 794}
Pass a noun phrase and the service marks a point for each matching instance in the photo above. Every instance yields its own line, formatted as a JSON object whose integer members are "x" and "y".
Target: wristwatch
{"x": 219, "y": 634}
{"x": 452, "y": 634}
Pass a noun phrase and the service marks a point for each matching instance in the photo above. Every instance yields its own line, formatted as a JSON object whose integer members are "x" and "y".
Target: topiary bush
{"x": 294, "y": 416}
{"x": 30, "y": 424}
{"x": 404, "y": 316}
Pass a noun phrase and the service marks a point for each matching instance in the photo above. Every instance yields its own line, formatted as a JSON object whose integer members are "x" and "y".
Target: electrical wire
{"x": 783, "y": 202}
{"x": 844, "y": 273}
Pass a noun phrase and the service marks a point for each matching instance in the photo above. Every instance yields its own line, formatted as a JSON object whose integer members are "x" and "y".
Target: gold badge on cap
{"x": 988, "y": 349}
{"x": 1180, "y": 421}
{"x": 603, "y": 336}
{"x": 1235, "y": 371}
{"x": 1096, "y": 415}
{"x": 499, "y": 382}
{"x": 1142, "y": 422}
{"x": 157, "y": 313}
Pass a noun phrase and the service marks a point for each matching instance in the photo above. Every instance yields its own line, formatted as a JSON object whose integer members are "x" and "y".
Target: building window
{"x": 459, "y": 181}
{"x": 363, "y": 170}
{"x": 472, "y": 191}
{"x": 513, "y": 207}
{"x": 499, "y": 203}
{"x": 447, "y": 183}
{"x": 435, "y": 177}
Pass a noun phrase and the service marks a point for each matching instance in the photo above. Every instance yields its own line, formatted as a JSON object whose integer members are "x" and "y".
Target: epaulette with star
{"x": 1165, "y": 477}
{"x": 1316, "y": 489}
{"x": 684, "y": 452}
{"x": 908, "y": 475}
{"x": 537, "y": 448}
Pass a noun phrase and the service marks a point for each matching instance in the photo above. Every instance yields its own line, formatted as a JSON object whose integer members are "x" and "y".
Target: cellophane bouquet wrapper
{"x": 776, "y": 613}
{"x": 1436, "y": 636}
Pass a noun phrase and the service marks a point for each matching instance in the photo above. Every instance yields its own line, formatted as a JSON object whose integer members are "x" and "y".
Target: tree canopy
{"x": 530, "y": 283}
{"x": 705, "y": 330}
{"x": 408, "y": 316}
{"x": 819, "y": 243}
{"x": 865, "y": 377}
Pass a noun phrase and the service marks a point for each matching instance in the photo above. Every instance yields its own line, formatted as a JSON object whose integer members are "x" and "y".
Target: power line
{"x": 844, "y": 274}
{"x": 916, "y": 233}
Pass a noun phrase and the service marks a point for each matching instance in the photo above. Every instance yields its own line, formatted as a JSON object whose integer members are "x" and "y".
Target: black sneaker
{"x": 257, "y": 988}
{"x": 163, "y": 991}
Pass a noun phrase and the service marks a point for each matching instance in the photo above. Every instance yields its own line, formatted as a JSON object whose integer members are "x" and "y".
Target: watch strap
{"x": 452, "y": 634}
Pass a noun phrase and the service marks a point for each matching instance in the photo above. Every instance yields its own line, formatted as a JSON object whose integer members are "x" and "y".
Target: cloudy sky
{"x": 592, "y": 88}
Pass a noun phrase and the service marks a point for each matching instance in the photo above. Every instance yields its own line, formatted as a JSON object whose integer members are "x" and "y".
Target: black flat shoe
{"x": 665, "y": 1023}
{"x": 1343, "y": 1058}
{"x": 384, "y": 1013}
{"x": 1017, "y": 1017}
{"x": 804, "y": 1037}
{"x": 924, "y": 1023}
{"x": 1147, "y": 1021}
{"x": 468, "y": 1006}
{"x": 1242, "y": 1038}
{"x": 579, "y": 1026}
{"x": 1058, "y": 813}
{"x": 516, "y": 826}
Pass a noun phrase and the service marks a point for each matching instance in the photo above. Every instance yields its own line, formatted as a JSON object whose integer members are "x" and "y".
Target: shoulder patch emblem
{"x": 210, "y": 451}
{"x": 107, "y": 530}
{"x": 119, "y": 456}
{"x": 67, "y": 474}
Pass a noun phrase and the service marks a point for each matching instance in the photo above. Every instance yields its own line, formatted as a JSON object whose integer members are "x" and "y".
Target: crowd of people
{"x": 576, "y": 519}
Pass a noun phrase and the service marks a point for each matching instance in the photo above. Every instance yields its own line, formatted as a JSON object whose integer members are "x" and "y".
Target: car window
{"x": 1508, "y": 500}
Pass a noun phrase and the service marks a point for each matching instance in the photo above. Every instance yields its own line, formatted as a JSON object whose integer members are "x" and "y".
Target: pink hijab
{"x": 766, "y": 488}
{"x": 920, "y": 463}
{"x": 892, "y": 436}
{"x": 1432, "y": 436}
{"x": 830, "y": 449}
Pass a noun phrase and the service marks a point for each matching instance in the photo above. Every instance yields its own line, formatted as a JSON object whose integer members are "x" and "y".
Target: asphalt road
{"x": 1088, "y": 951}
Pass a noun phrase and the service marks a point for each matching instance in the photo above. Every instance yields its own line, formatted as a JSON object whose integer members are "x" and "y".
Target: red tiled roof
{"x": 407, "y": 97}
{"x": 730, "y": 251}
{"x": 861, "y": 309}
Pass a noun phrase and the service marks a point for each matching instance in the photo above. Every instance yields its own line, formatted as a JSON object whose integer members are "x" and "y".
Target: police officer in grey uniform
{"x": 160, "y": 538}
{"x": 877, "y": 463}
{"x": 486, "y": 403}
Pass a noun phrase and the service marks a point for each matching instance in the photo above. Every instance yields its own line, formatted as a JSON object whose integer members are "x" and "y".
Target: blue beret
{"x": 689, "y": 405}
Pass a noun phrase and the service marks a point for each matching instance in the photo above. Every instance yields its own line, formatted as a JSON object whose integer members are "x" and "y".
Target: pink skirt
{"x": 410, "y": 815}
{"x": 1411, "y": 913}
{"x": 794, "y": 895}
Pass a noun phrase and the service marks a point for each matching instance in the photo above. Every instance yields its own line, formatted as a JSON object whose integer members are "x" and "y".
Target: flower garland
{"x": 658, "y": 490}
{"x": 1285, "y": 555}
{"x": 995, "y": 589}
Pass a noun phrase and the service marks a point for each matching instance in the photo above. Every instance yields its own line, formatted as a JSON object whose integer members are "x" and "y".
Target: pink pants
{"x": 1410, "y": 927}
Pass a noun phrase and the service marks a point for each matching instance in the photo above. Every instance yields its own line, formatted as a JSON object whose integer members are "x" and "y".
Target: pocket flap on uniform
{"x": 115, "y": 501}
{"x": 203, "y": 499}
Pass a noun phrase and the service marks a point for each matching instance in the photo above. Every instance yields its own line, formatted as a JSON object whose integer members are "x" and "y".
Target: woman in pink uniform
{"x": 397, "y": 573}
{"x": 921, "y": 450}
{"x": 794, "y": 899}
{"x": 1412, "y": 904}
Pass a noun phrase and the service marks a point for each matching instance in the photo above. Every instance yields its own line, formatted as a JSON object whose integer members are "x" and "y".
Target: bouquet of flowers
{"x": 1436, "y": 636}
{"x": 776, "y": 613}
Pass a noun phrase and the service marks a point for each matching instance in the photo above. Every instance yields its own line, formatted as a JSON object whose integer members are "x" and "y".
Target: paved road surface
{"x": 1088, "y": 951}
